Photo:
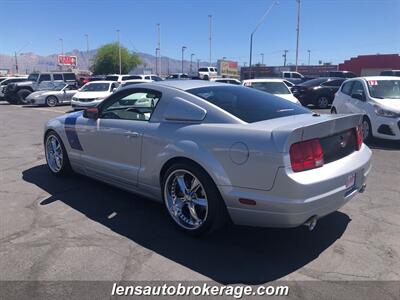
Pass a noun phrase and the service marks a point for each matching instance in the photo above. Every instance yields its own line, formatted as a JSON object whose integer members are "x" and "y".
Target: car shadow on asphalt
{"x": 380, "y": 144}
{"x": 234, "y": 255}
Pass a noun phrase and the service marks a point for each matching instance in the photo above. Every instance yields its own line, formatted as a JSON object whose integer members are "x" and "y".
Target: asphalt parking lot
{"x": 79, "y": 229}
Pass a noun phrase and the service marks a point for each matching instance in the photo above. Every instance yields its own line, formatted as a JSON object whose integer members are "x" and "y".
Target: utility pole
{"x": 198, "y": 64}
{"x": 309, "y": 56}
{"x": 262, "y": 58}
{"x": 159, "y": 48}
{"x": 183, "y": 51}
{"x": 210, "y": 24}
{"x": 62, "y": 51}
{"x": 298, "y": 32}
{"x": 167, "y": 65}
{"x": 87, "y": 49}
{"x": 284, "y": 57}
{"x": 191, "y": 61}
{"x": 16, "y": 53}
{"x": 119, "y": 52}
{"x": 255, "y": 29}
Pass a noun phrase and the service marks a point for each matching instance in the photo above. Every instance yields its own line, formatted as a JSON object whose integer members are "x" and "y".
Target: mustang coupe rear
{"x": 212, "y": 151}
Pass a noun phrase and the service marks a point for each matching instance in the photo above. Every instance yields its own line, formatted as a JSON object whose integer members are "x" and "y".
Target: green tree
{"x": 106, "y": 60}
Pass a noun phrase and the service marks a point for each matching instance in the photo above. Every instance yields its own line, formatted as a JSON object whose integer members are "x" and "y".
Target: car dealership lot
{"x": 79, "y": 229}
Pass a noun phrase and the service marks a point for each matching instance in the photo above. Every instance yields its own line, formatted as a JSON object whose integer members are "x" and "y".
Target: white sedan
{"x": 273, "y": 86}
{"x": 378, "y": 99}
{"x": 92, "y": 93}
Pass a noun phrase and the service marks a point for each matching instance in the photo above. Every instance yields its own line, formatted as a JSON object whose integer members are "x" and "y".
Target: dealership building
{"x": 362, "y": 65}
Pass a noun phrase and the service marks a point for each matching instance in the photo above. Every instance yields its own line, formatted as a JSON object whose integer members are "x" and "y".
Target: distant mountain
{"x": 29, "y": 62}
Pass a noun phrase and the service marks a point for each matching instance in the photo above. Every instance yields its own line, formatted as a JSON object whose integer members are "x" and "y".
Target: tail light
{"x": 359, "y": 135}
{"x": 306, "y": 155}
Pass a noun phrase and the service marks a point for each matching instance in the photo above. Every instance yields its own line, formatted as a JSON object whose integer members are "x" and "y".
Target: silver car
{"x": 53, "y": 94}
{"x": 213, "y": 152}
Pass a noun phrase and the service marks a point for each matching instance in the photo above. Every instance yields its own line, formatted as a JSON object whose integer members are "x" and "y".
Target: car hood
{"x": 392, "y": 104}
{"x": 85, "y": 95}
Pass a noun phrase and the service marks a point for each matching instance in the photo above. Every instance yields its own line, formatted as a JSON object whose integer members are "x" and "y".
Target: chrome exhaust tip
{"x": 311, "y": 223}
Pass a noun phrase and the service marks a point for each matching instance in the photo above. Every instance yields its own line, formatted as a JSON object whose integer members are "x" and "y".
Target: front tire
{"x": 366, "y": 129}
{"x": 333, "y": 110}
{"x": 51, "y": 101}
{"x": 192, "y": 199}
{"x": 56, "y": 155}
{"x": 21, "y": 96}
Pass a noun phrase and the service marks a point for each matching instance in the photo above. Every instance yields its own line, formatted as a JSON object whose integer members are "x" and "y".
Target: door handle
{"x": 130, "y": 134}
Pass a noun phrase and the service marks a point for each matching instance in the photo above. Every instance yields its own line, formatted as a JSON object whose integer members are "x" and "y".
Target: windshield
{"x": 33, "y": 77}
{"x": 112, "y": 78}
{"x": 96, "y": 87}
{"x": 249, "y": 105}
{"x": 48, "y": 86}
{"x": 384, "y": 89}
{"x": 276, "y": 88}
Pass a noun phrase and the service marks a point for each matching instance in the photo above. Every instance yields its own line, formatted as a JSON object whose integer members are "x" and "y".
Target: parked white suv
{"x": 207, "y": 73}
{"x": 378, "y": 98}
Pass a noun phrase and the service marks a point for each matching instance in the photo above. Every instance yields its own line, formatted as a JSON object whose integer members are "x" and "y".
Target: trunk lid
{"x": 330, "y": 129}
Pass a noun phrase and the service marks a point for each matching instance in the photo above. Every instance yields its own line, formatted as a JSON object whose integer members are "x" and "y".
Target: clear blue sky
{"x": 333, "y": 30}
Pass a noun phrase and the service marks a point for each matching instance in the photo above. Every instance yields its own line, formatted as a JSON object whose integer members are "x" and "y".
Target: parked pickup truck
{"x": 16, "y": 92}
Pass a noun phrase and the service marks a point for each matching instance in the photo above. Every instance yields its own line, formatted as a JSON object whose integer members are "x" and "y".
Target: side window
{"x": 346, "y": 88}
{"x": 357, "y": 88}
{"x": 71, "y": 88}
{"x": 295, "y": 75}
{"x": 44, "y": 77}
{"x": 184, "y": 76}
{"x": 286, "y": 75}
{"x": 136, "y": 105}
{"x": 147, "y": 77}
{"x": 57, "y": 77}
{"x": 334, "y": 83}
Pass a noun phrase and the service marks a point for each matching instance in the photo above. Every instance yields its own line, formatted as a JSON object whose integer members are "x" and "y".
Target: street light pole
{"x": 210, "y": 24}
{"x": 159, "y": 48}
{"x": 16, "y": 54}
{"x": 119, "y": 52}
{"x": 62, "y": 51}
{"x": 262, "y": 58}
{"x": 198, "y": 64}
{"x": 255, "y": 29}
{"x": 284, "y": 57}
{"x": 191, "y": 61}
{"x": 183, "y": 50}
{"x": 87, "y": 49}
{"x": 298, "y": 32}
{"x": 309, "y": 56}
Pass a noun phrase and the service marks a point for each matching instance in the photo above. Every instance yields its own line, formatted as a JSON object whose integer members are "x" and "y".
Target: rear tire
{"x": 197, "y": 211}
{"x": 333, "y": 110}
{"x": 21, "y": 96}
{"x": 56, "y": 156}
{"x": 322, "y": 102}
{"x": 206, "y": 77}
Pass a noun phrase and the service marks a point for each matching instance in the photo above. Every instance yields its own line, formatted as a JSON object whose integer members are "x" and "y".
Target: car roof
{"x": 101, "y": 81}
{"x": 188, "y": 84}
{"x": 139, "y": 80}
{"x": 264, "y": 80}
{"x": 379, "y": 77}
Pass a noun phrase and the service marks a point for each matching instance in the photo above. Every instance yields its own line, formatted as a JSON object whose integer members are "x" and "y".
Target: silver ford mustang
{"x": 213, "y": 152}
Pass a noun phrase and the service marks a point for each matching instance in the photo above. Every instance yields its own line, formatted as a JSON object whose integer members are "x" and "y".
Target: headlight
{"x": 385, "y": 113}
{"x": 74, "y": 98}
{"x": 99, "y": 98}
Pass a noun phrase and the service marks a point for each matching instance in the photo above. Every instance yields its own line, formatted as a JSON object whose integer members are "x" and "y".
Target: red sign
{"x": 67, "y": 60}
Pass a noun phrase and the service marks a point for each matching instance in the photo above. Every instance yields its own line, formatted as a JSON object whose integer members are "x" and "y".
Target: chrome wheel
{"x": 186, "y": 199}
{"x": 323, "y": 102}
{"x": 54, "y": 154}
{"x": 51, "y": 101}
{"x": 366, "y": 130}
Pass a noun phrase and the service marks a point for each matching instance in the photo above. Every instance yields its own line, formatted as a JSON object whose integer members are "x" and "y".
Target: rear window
{"x": 69, "y": 76}
{"x": 249, "y": 105}
{"x": 313, "y": 82}
{"x": 130, "y": 77}
{"x": 203, "y": 70}
{"x": 113, "y": 78}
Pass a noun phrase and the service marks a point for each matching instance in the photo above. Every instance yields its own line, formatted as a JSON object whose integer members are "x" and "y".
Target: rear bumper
{"x": 296, "y": 197}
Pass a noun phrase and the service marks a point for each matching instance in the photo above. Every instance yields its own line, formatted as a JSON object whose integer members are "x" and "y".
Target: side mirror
{"x": 114, "y": 89}
{"x": 91, "y": 113}
{"x": 359, "y": 96}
